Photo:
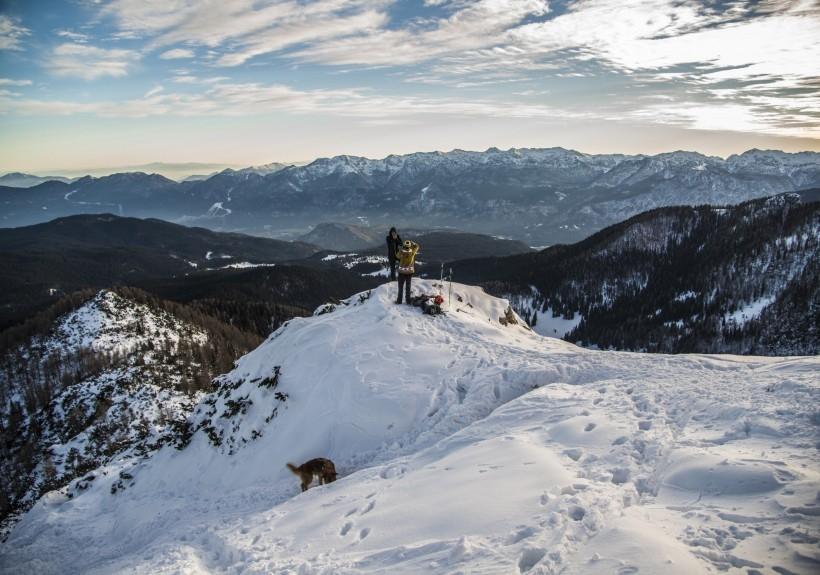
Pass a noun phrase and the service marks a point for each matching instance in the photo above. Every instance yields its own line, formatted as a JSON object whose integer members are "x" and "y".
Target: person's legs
{"x": 393, "y": 264}
{"x": 402, "y": 279}
{"x": 407, "y": 280}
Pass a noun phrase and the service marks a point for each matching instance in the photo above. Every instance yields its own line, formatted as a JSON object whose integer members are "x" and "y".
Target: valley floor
{"x": 500, "y": 451}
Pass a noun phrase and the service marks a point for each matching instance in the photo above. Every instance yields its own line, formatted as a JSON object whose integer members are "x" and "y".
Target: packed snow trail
{"x": 464, "y": 445}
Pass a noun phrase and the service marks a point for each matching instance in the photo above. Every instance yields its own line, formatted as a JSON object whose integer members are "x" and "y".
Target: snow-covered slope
{"x": 464, "y": 444}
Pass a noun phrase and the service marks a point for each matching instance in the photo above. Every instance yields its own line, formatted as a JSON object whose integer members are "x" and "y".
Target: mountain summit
{"x": 463, "y": 442}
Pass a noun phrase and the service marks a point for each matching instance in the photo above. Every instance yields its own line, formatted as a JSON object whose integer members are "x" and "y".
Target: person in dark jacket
{"x": 393, "y": 246}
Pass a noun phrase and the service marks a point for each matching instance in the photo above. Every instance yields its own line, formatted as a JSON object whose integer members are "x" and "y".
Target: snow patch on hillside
{"x": 245, "y": 265}
{"x": 749, "y": 311}
{"x": 550, "y": 325}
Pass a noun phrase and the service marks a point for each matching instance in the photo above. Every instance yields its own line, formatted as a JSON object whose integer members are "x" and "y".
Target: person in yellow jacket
{"x": 407, "y": 259}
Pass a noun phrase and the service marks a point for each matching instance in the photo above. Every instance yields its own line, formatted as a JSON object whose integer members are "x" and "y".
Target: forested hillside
{"x": 101, "y": 376}
{"x": 742, "y": 279}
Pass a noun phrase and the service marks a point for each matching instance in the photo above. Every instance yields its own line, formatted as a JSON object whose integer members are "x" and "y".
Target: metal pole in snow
{"x": 450, "y": 292}
{"x": 441, "y": 280}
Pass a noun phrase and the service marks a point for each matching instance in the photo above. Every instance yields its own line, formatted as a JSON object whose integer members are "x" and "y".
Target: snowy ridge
{"x": 108, "y": 388}
{"x": 465, "y": 442}
{"x": 110, "y": 323}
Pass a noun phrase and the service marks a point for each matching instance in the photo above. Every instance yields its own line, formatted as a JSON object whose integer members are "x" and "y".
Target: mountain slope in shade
{"x": 47, "y": 260}
{"x": 342, "y": 237}
{"x": 742, "y": 279}
{"x": 465, "y": 442}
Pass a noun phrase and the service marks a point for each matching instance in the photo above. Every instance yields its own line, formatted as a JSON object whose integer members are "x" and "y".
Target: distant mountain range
{"x": 736, "y": 279}
{"x": 20, "y": 180}
{"x": 540, "y": 196}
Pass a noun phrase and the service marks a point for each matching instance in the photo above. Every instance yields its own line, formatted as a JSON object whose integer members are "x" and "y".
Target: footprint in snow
{"x": 346, "y": 528}
{"x": 364, "y": 533}
{"x": 590, "y": 426}
{"x": 529, "y": 558}
{"x": 644, "y": 425}
{"x": 620, "y": 475}
{"x": 369, "y": 508}
{"x": 574, "y": 453}
{"x": 576, "y": 512}
{"x": 521, "y": 533}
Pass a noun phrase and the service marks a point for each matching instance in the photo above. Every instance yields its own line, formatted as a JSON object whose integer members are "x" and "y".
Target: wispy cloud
{"x": 11, "y": 82}
{"x": 90, "y": 62}
{"x": 470, "y": 28}
{"x": 239, "y": 99}
{"x": 301, "y": 30}
{"x": 72, "y": 36}
{"x": 177, "y": 53}
{"x": 252, "y": 27}
{"x": 11, "y": 33}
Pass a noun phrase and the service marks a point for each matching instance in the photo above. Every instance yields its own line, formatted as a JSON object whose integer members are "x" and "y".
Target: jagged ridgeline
{"x": 101, "y": 375}
{"x": 543, "y": 196}
{"x": 742, "y": 279}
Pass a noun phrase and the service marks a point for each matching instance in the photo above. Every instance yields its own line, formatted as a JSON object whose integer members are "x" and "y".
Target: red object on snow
{"x": 439, "y": 300}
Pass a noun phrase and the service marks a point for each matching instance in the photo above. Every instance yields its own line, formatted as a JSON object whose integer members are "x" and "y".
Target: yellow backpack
{"x": 407, "y": 257}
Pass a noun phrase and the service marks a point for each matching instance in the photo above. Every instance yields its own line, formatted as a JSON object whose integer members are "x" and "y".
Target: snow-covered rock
{"x": 464, "y": 444}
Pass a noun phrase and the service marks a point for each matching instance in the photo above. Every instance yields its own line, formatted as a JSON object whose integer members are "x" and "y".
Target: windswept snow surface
{"x": 464, "y": 446}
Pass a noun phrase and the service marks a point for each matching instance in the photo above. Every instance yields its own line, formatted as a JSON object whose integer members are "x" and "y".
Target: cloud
{"x": 469, "y": 29}
{"x": 153, "y": 91}
{"x": 11, "y": 33}
{"x": 11, "y": 82}
{"x": 299, "y": 31}
{"x": 232, "y": 99}
{"x": 177, "y": 53}
{"x": 251, "y": 27}
{"x": 666, "y": 33}
{"x": 73, "y": 36}
{"x": 89, "y": 62}
{"x": 755, "y": 63}
{"x": 185, "y": 79}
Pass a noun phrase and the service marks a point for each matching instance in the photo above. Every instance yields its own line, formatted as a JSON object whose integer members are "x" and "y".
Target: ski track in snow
{"x": 466, "y": 446}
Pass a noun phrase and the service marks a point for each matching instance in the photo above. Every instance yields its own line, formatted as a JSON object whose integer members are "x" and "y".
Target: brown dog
{"x": 319, "y": 467}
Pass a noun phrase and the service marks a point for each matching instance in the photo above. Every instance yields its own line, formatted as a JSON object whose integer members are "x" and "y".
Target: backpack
{"x": 407, "y": 259}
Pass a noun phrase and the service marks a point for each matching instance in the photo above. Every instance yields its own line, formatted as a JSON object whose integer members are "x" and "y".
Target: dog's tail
{"x": 293, "y": 468}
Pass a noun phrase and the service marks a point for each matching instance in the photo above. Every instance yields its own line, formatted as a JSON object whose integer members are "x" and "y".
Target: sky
{"x": 88, "y": 84}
